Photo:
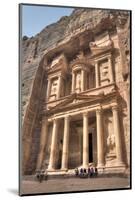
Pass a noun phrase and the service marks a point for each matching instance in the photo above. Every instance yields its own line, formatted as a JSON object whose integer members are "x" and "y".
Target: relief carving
{"x": 111, "y": 144}
{"x": 104, "y": 73}
{"x": 78, "y": 82}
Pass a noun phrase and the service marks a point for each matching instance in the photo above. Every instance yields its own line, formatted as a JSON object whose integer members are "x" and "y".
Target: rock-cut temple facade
{"x": 76, "y": 94}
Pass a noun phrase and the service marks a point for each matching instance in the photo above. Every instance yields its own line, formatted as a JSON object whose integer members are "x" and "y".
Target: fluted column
{"x": 83, "y": 78}
{"x": 97, "y": 74}
{"x": 43, "y": 140}
{"x": 48, "y": 88}
{"x": 116, "y": 127}
{"x": 59, "y": 87}
{"x": 100, "y": 139}
{"x": 110, "y": 70}
{"x": 65, "y": 143}
{"x": 73, "y": 81}
{"x": 85, "y": 141}
{"x": 53, "y": 145}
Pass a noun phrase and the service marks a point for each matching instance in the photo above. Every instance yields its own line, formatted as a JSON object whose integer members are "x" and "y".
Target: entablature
{"x": 82, "y": 108}
{"x": 73, "y": 100}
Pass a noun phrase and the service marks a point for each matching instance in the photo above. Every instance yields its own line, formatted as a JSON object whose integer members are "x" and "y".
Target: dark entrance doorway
{"x": 90, "y": 148}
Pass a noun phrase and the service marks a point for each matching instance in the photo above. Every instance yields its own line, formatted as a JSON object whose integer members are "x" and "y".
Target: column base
{"x": 51, "y": 169}
{"x": 115, "y": 169}
{"x": 85, "y": 166}
{"x": 100, "y": 166}
{"x": 64, "y": 169}
{"x": 119, "y": 164}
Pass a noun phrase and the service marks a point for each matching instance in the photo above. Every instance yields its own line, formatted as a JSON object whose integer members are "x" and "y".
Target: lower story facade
{"x": 90, "y": 134}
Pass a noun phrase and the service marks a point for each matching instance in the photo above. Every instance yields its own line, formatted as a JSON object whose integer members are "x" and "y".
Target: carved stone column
{"x": 117, "y": 133}
{"x": 43, "y": 141}
{"x": 85, "y": 141}
{"x": 53, "y": 145}
{"x": 110, "y": 70}
{"x": 97, "y": 74}
{"x": 83, "y": 78}
{"x": 65, "y": 144}
{"x": 73, "y": 81}
{"x": 100, "y": 139}
{"x": 49, "y": 88}
{"x": 59, "y": 87}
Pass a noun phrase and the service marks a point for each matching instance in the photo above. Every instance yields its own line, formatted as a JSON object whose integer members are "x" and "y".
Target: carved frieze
{"x": 104, "y": 73}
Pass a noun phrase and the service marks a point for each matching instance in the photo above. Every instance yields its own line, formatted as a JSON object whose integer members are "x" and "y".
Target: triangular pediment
{"x": 75, "y": 99}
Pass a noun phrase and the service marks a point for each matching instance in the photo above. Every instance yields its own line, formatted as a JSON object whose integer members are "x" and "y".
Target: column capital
{"x": 96, "y": 61}
{"x": 49, "y": 78}
{"x": 44, "y": 119}
{"x": 99, "y": 111}
{"x": 61, "y": 76}
{"x": 84, "y": 69}
{"x": 109, "y": 57}
{"x": 67, "y": 116}
{"x": 55, "y": 120}
{"x": 114, "y": 107}
{"x": 85, "y": 114}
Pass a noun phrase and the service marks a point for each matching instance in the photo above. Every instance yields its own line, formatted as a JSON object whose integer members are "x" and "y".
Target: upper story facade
{"x": 89, "y": 70}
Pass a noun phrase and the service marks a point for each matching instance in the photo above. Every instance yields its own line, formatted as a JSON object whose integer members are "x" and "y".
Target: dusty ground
{"x": 74, "y": 184}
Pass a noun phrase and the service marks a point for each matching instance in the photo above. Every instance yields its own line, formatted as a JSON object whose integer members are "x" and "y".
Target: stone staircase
{"x": 67, "y": 175}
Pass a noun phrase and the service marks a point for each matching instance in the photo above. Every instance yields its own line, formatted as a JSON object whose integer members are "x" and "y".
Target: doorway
{"x": 90, "y": 148}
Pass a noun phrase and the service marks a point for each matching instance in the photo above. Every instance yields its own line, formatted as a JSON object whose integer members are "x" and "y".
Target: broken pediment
{"x": 101, "y": 44}
{"x": 96, "y": 49}
{"x": 58, "y": 63}
{"x": 75, "y": 99}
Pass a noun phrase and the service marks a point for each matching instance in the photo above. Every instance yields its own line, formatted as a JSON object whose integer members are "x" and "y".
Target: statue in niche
{"x": 104, "y": 72}
{"x": 78, "y": 81}
{"x": 111, "y": 144}
{"x": 54, "y": 87}
{"x": 80, "y": 55}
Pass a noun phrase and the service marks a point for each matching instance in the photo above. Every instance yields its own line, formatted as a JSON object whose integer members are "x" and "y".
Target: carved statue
{"x": 78, "y": 80}
{"x": 80, "y": 55}
{"x": 111, "y": 144}
{"x": 105, "y": 72}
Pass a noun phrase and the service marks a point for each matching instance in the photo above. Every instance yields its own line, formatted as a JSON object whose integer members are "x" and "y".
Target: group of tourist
{"x": 83, "y": 172}
{"x": 41, "y": 175}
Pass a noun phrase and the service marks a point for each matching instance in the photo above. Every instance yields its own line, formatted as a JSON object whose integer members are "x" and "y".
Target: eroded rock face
{"x": 82, "y": 26}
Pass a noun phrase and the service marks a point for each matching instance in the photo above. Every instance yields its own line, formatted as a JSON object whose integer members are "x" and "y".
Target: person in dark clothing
{"x": 96, "y": 171}
{"x": 76, "y": 172}
{"x": 81, "y": 172}
{"x": 41, "y": 176}
{"x": 91, "y": 171}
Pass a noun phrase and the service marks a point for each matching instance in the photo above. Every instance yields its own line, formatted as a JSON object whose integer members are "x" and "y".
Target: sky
{"x": 35, "y": 18}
